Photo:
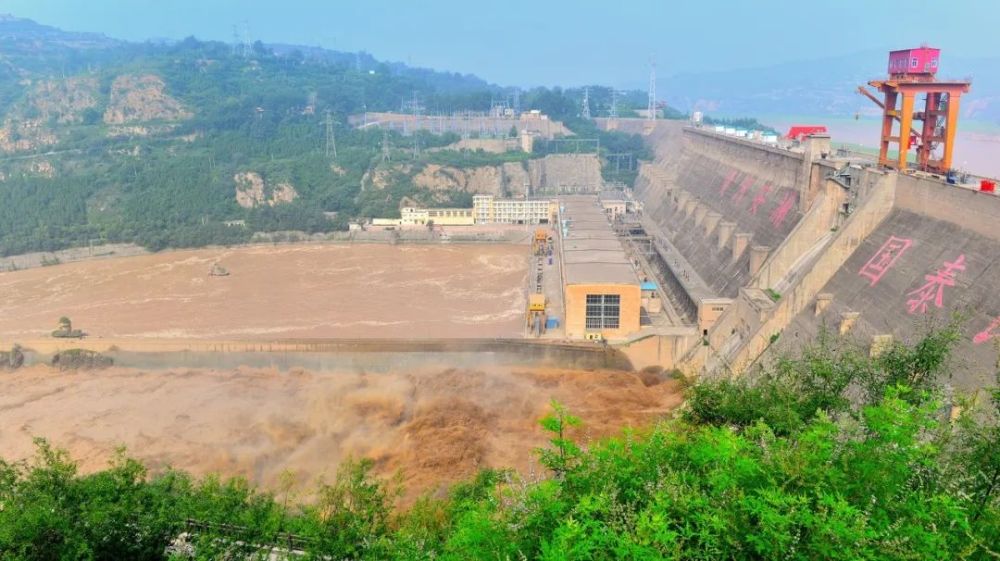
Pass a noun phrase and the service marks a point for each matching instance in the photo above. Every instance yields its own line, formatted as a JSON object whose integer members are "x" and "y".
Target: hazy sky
{"x": 553, "y": 43}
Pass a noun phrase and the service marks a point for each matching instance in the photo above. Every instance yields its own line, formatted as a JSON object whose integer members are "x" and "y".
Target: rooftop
{"x": 592, "y": 253}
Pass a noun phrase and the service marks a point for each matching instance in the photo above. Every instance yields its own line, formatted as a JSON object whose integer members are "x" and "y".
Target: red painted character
{"x": 760, "y": 198}
{"x": 988, "y": 333}
{"x": 779, "y": 214}
{"x": 744, "y": 187}
{"x": 933, "y": 289}
{"x": 727, "y": 183}
{"x": 884, "y": 258}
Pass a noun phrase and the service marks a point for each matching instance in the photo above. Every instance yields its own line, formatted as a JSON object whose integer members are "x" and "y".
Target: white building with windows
{"x": 487, "y": 209}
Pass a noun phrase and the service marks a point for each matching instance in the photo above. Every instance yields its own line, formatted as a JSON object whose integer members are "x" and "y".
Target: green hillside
{"x": 107, "y": 141}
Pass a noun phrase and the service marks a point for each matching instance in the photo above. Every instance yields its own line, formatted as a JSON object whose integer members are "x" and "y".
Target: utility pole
{"x": 586, "y": 104}
{"x": 651, "y": 114}
{"x": 331, "y": 141}
{"x": 613, "y": 114}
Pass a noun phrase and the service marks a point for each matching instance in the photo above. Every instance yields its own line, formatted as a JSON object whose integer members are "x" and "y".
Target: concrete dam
{"x": 764, "y": 247}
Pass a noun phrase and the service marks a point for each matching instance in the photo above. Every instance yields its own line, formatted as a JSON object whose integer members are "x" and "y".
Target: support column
{"x": 699, "y": 213}
{"x": 887, "y": 122}
{"x": 689, "y": 207}
{"x": 758, "y": 254}
{"x": 726, "y": 230}
{"x": 950, "y": 127}
{"x": 740, "y": 243}
{"x": 930, "y": 115}
{"x": 905, "y": 128}
{"x": 682, "y": 199}
{"x": 711, "y": 221}
{"x": 823, "y": 300}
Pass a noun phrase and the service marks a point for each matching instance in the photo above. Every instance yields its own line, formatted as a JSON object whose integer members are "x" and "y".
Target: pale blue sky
{"x": 554, "y": 43}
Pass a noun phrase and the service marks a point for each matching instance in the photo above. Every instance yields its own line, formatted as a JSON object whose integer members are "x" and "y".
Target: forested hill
{"x": 109, "y": 141}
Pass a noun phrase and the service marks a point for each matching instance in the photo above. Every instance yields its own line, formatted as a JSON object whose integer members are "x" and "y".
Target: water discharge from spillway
{"x": 434, "y": 425}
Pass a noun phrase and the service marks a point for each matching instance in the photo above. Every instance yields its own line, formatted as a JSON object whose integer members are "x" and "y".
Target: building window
{"x": 914, "y": 62}
{"x": 603, "y": 311}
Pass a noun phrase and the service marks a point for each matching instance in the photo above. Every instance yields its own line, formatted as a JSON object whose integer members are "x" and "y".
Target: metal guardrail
{"x": 291, "y": 543}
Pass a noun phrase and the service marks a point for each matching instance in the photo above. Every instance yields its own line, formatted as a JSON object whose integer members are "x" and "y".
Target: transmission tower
{"x": 386, "y": 156}
{"x": 247, "y": 48}
{"x": 613, "y": 114}
{"x": 412, "y": 105}
{"x": 331, "y": 141}
{"x": 237, "y": 41}
{"x": 651, "y": 109}
{"x": 517, "y": 101}
{"x": 586, "y": 104}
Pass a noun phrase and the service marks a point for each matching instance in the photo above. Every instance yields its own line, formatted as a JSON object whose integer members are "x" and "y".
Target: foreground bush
{"x": 831, "y": 456}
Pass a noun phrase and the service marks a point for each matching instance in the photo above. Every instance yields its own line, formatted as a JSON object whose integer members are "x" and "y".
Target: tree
{"x": 564, "y": 456}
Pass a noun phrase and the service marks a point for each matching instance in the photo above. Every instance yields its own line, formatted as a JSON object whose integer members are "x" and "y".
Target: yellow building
{"x": 413, "y": 216}
{"x": 600, "y": 288}
{"x": 449, "y": 216}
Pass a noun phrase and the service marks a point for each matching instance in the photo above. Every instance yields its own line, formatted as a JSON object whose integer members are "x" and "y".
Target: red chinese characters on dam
{"x": 779, "y": 214}
{"x": 933, "y": 289}
{"x": 760, "y": 198}
{"x": 993, "y": 330}
{"x": 727, "y": 183}
{"x": 744, "y": 187}
{"x": 884, "y": 259}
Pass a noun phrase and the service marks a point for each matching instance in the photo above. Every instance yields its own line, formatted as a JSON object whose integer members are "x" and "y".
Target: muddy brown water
{"x": 431, "y": 412}
{"x": 432, "y": 426}
{"x": 294, "y": 291}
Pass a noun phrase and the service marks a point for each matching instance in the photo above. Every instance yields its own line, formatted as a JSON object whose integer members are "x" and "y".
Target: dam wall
{"x": 936, "y": 254}
{"x": 556, "y": 173}
{"x": 761, "y": 314}
{"x": 725, "y": 204}
{"x": 873, "y": 255}
{"x": 372, "y": 355}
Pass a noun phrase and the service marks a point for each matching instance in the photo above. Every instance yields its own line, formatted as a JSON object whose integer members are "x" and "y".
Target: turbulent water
{"x": 432, "y": 425}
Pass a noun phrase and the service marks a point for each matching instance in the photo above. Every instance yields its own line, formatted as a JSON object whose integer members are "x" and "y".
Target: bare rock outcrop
{"x": 25, "y": 135}
{"x": 137, "y": 99}
{"x": 64, "y": 100}
{"x": 252, "y": 191}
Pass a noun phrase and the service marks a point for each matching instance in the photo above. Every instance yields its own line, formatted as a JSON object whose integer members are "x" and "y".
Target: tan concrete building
{"x": 600, "y": 288}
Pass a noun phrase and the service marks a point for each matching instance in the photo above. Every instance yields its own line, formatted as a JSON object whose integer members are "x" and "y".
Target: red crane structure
{"x": 912, "y": 73}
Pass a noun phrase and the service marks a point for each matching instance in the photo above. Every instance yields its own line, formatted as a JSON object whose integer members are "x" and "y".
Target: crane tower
{"x": 929, "y": 127}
